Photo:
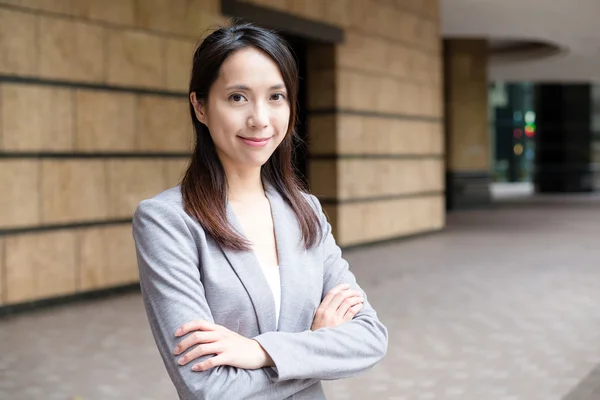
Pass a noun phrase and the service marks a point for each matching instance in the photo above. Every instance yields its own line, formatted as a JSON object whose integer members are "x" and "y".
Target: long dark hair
{"x": 204, "y": 185}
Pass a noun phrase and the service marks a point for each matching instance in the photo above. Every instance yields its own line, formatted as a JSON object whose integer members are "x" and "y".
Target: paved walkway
{"x": 504, "y": 304}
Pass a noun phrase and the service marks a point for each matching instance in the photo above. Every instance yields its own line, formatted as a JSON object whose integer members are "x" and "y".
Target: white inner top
{"x": 273, "y": 278}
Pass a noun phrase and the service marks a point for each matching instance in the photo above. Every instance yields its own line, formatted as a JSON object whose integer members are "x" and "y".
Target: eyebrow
{"x": 244, "y": 87}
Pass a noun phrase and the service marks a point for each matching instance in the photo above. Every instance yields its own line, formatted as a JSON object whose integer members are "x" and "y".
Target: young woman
{"x": 245, "y": 289}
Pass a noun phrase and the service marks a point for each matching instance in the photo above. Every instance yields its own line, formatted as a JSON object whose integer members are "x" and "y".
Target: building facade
{"x": 94, "y": 118}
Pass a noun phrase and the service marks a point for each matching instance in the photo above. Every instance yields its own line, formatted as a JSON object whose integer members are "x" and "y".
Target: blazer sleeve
{"x": 173, "y": 294}
{"x": 329, "y": 353}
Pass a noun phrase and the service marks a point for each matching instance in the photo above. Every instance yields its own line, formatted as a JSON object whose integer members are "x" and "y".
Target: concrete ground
{"x": 504, "y": 304}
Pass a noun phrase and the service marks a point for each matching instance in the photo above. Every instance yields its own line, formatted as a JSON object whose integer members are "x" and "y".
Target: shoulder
{"x": 167, "y": 204}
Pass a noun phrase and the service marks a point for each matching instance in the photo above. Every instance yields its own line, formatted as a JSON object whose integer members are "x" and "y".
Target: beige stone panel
{"x": 114, "y": 11}
{"x": 67, "y": 7}
{"x": 374, "y": 135}
{"x": 92, "y": 258}
{"x": 470, "y": 151}
{"x": 322, "y": 175}
{"x": 2, "y": 273}
{"x": 419, "y": 138}
{"x": 468, "y": 135}
{"x": 357, "y": 91}
{"x": 438, "y": 73}
{"x": 73, "y": 190}
{"x": 105, "y": 121}
{"x": 131, "y": 181}
{"x": 179, "y": 64}
{"x": 383, "y": 94}
{"x": 136, "y": 59}
{"x": 386, "y": 94}
{"x": 121, "y": 263}
{"x": 426, "y": 100}
{"x": 161, "y": 15}
{"x": 71, "y": 50}
{"x": 322, "y": 134}
{"x": 174, "y": 171}
{"x": 375, "y": 221}
{"x": 430, "y": 39}
{"x": 364, "y": 16}
{"x": 281, "y": 5}
{"x": 437, "y": 131}
{"x": 399, "y": 60}
{"x": 409, "y": 28}
{"x": 36, "y": 118}
{"x": 412, "y": 6}
{"x": 388, "y": 18}
{"x": 363, "y": 52}
{"x": 185, "y": 17}
{"x": 410, "y": 99}
{"x": 40, "y": 265}
{"x": 351, "y": 223}
{"x": 351, "y": 134}
{"x": 367, "y": 178}
{"x": 206, "y": 6}
{"x": 432, "y": 101}
{"x": 19, "y": 202}
{"x": 199, "y": 22}
{"x": 337, "y": 12}
{"x": 17, "y": 43}
{"x": 430, "y": 9}
{"x": 322, "y": 90}
{"x": 164, "y": 124}
{"x": 419, "y": 66}
{"x": 310, "y": 9}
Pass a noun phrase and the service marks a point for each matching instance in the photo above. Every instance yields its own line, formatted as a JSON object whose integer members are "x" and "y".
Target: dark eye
{"x": 278, "y": 97}
{"x": 236, "y": 97}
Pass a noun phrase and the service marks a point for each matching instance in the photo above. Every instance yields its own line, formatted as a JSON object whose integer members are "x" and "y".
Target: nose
{"x": 259, "y": 117}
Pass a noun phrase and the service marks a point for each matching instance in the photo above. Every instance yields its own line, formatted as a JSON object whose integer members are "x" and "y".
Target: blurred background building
{"x": 410, "y": 109}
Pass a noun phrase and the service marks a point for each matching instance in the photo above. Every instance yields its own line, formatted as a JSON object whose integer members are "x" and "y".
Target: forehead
{"x": 251, "y": 67}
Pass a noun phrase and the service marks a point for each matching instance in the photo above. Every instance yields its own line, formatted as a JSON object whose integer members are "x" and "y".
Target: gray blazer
{"x": 185, "y": 275}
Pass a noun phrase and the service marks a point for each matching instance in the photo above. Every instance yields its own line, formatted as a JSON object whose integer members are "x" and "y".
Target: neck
{"x": 244, "y": 185}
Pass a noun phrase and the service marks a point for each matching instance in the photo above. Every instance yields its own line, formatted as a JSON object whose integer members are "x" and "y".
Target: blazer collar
{"x": 290, "y": 251}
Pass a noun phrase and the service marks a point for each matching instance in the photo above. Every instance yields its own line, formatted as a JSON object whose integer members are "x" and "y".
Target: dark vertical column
{"x": 301, "y": 146}
{"x": 564, "y": 138}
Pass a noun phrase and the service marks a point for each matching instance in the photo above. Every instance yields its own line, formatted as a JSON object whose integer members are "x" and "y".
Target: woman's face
{"x": 247, "y": 112}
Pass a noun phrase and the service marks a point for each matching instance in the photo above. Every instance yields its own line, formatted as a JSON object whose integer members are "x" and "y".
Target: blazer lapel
{"x": 248, "y": 270}
{"x": 290, "y": 250}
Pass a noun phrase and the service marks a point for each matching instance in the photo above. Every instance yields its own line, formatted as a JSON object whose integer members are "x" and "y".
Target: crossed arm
{"x": 173, "y": 294}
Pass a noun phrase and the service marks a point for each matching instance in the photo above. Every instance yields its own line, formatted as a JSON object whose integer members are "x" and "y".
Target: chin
{"x": 255, "y": 162}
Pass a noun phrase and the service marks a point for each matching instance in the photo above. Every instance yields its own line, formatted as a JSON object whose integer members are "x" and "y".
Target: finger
{"x": 198, "y": 337}
{"x": 199, "y": 351}
{"x": 198, "y": 325}
{"x": 340, "y": 297}
{"x": 347, "y": 304}
{"x": 210, "y": 363}
{"x": 332, "y": 293}
{"x": 352, "y": 311}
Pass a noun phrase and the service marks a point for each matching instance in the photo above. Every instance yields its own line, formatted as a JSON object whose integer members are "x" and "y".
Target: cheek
{"x": 224, "y": 126}
{"x": 282, "y": 120}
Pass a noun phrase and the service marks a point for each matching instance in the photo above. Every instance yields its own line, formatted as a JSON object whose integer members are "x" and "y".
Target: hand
{"x": 339, "y": 305}
{"x": 229, "y": 347}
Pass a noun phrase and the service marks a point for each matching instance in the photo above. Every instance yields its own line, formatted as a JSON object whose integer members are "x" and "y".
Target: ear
{"x": 199, "y": 108}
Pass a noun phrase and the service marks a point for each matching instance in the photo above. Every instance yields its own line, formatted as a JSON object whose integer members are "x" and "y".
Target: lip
{"x": 255, "y": 142}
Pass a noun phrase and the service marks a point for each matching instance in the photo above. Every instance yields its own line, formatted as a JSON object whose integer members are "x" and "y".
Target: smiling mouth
{"x": 255, "y": 142}
{"x": 255, "y": 139}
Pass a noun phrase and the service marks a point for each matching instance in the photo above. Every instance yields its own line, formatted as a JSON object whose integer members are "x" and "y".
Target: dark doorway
{"x": 301, "y": 146}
